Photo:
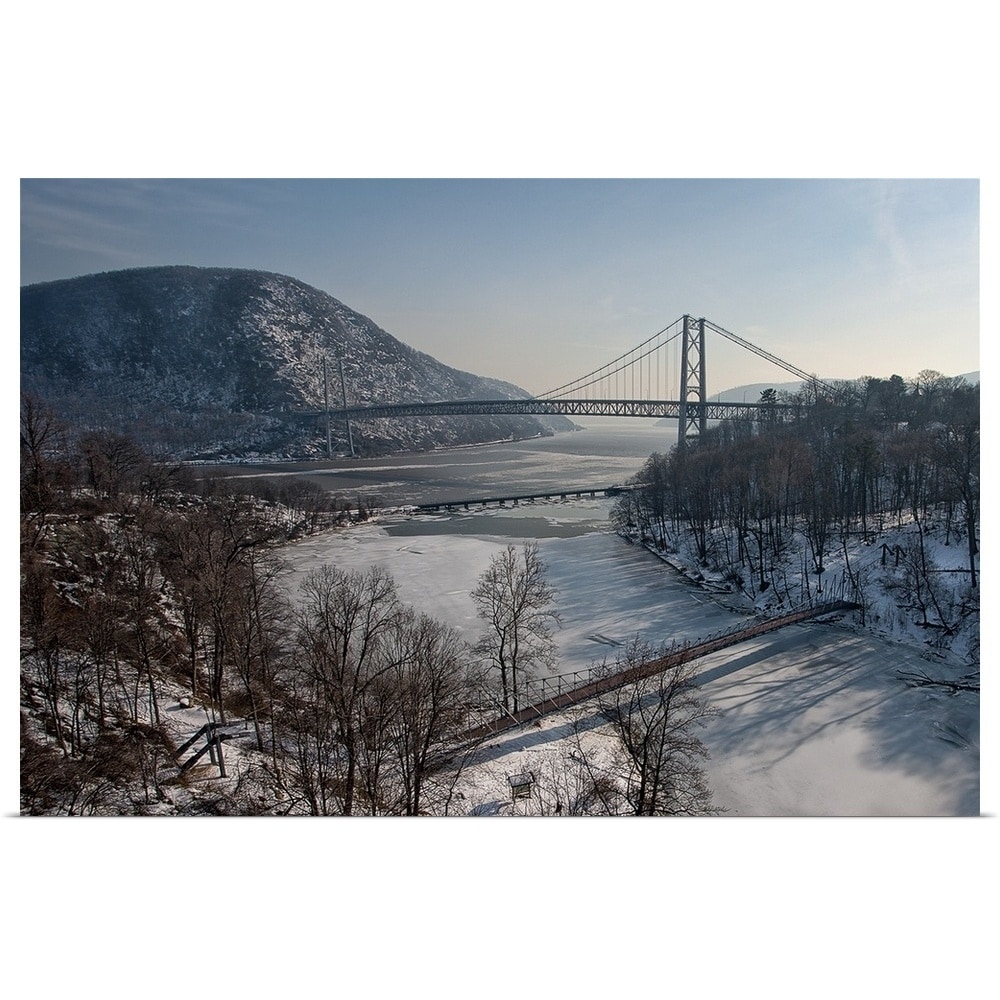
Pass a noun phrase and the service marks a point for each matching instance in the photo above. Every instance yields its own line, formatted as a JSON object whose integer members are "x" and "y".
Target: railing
{"x": 651, "y": 408}
{"x": 596, "y": 681}
{"x": 543, "y": 688}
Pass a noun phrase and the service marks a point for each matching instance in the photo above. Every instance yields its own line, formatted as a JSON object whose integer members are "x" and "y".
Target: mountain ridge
{"x": 216, "y": 360}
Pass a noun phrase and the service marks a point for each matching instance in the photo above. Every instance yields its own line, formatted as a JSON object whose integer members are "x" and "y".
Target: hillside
{"x": 213, "y": 362}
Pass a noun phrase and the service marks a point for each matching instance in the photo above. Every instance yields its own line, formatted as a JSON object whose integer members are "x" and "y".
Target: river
{"x": 601, "y": 454}
{"x": 814, "y": 720}
{"x": 608, "y": 591}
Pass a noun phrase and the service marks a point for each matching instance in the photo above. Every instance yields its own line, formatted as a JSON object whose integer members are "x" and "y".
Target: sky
{"x": 538, "y": 281}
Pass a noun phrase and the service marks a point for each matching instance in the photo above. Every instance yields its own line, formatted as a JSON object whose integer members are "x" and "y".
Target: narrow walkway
{"x": 685, "y": 654}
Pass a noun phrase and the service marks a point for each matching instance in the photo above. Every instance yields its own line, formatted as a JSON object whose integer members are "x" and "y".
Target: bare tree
{"x": 956, "y": 450}
{"x": 43, "y": 640}
{"x": 430, "y": 683}
{"x": 922, "y": 589}
{"x": 373, "y": 700}
{"x": 342, "y": 626}
{"x": 376, "y": 709}
{"x": 655, "y": 718}
{"x": 212, "y": 553}
{"x": 184, "y": 556}
{"x": 139, "y": 583}
{"x": 113, "y": 463}
{"x": 44, "y": 470}
{"x": 259, "y": 616}
{"x": 515, "y": 602}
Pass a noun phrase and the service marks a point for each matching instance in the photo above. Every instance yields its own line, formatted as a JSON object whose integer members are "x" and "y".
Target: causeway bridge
{"x": 557, "y": 494}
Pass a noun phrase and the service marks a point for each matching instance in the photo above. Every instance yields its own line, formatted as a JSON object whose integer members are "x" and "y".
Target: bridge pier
{"x": 482, "y": 503}
{"x": 692, "y": 420}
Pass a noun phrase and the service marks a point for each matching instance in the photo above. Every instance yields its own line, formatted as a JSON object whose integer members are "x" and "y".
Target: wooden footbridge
{"x": 595, "y": 682}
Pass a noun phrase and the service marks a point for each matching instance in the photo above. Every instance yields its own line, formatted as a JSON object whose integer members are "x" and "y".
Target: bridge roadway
{"x": 651, "y": 408}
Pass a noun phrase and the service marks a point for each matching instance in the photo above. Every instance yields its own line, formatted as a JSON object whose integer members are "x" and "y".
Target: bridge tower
{"x": 692, "y": 397}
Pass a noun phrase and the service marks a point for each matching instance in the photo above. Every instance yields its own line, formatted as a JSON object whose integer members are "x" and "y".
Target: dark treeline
{"x": 141, "y": 584}
{"x": 751, "y": 498}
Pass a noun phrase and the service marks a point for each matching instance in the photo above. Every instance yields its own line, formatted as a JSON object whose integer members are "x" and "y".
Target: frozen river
{"x": 608, "y": 591}
{"x": 814, "y": 720}
{"x": 602, "y": 454}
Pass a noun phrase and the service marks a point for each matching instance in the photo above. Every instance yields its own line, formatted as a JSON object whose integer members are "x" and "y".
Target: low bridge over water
{"x": 557, "y": 494}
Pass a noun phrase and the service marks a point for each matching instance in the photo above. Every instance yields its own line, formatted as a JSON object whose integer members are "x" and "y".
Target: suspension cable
{"x": 576, "y": 383}
{"x": 768, "y": 356}
{"x": 626, "y": 364}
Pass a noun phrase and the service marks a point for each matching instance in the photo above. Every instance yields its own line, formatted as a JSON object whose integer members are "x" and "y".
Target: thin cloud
{"x": 67, "y": 224}
{"x": 887, "y": 230}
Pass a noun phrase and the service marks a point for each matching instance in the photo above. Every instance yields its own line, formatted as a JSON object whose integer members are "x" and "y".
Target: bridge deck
{"x": 557, "y": 494}
{"x": 653, "y": 409}
{"x": 686, "y": 654}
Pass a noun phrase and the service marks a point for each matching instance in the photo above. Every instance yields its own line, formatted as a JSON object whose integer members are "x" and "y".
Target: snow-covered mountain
{"x": 214, "y": 361}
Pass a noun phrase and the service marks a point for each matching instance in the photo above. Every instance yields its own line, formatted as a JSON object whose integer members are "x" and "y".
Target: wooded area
{"x": 883, "y": 454}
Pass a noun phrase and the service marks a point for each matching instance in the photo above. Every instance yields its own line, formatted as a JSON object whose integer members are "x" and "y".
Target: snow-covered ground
{"x": 812, "y": 722}
{"x": 813, "y": 719}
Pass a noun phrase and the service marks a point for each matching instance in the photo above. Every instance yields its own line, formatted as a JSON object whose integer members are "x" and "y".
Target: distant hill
{"x": 211, "y": 362}
{"x": 751, "y": 393}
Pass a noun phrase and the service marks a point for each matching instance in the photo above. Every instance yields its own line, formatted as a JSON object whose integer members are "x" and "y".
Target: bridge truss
{"x": 653, "y": 408}
{"x": 653, "y": 363}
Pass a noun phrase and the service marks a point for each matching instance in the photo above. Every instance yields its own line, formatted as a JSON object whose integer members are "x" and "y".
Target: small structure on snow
{"x": 521, "y": 784}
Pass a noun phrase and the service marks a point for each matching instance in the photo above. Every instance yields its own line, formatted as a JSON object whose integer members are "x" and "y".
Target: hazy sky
{"x": 539, "y": 281}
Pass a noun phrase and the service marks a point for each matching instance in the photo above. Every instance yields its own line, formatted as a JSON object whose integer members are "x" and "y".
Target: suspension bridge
{"x": 635, "y": 384}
